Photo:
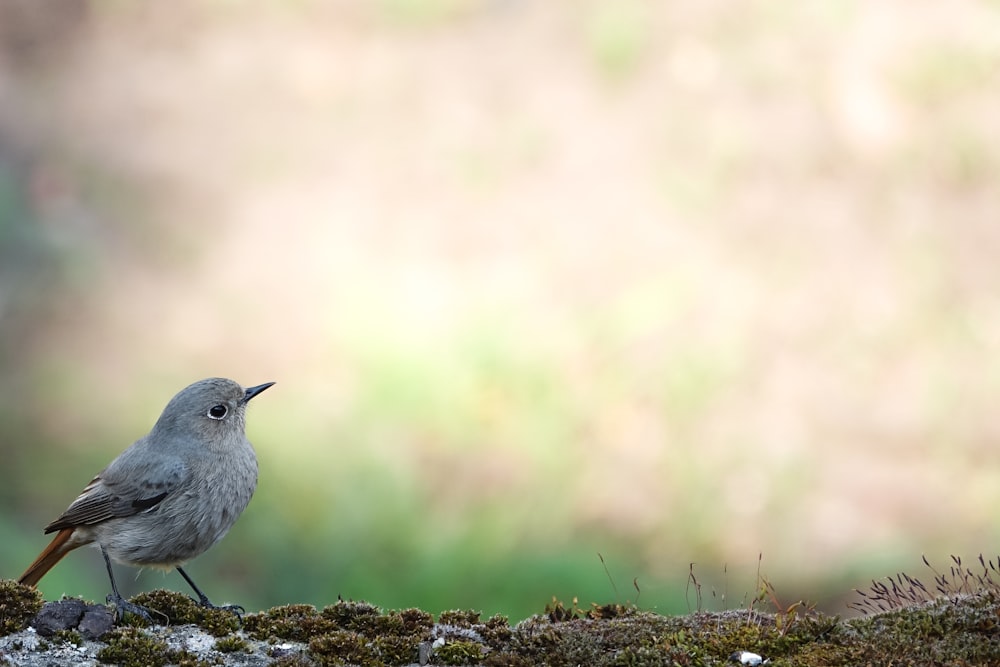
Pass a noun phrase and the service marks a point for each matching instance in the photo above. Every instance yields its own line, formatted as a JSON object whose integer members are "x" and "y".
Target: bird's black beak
{"x": 253, "y": 391}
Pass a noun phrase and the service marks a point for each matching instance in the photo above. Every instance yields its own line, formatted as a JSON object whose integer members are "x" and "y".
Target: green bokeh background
{"x": 539, "y": 283}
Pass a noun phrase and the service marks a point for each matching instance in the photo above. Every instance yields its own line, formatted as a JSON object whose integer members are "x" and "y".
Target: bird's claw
{"x": 123, "y": 606}
{"x": 232, "y": 608}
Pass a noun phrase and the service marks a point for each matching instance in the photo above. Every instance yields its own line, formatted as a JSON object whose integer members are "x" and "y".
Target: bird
{"x": 168, "y": 497}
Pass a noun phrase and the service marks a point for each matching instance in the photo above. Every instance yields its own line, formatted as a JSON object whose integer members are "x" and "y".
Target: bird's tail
{"x": 61, "y": 545}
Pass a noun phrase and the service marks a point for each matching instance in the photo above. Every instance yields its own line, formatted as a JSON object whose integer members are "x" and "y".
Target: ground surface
{"x": 960, "y": 630}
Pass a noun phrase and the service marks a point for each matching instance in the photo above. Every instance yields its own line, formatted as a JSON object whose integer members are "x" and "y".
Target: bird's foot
{"x": 123, "y": 606}
{"x": 232, "y": 608}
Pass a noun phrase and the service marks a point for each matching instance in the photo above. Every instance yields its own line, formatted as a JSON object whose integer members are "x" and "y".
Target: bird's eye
{"x": 217, "y": 411}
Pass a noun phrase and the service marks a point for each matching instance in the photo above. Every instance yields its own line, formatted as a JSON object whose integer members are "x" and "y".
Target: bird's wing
{"x": 128, "y": 486}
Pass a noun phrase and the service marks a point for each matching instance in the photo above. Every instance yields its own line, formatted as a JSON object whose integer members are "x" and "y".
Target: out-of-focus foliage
{"x": 537, "y": 281}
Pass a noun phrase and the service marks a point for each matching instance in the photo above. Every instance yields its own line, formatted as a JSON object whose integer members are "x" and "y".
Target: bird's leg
{"x": 123, "y": 606}
{"x": 205, "y": 602}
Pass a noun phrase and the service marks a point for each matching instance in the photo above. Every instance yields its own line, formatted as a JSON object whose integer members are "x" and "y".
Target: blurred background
{"x": 538, "y": 281}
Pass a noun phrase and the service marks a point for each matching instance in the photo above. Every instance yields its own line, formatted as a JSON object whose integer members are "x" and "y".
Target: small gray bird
{"x": 171, "y": 495}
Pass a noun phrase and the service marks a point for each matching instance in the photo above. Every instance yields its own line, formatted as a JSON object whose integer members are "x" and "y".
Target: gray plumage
{"x": 171, "y": 495}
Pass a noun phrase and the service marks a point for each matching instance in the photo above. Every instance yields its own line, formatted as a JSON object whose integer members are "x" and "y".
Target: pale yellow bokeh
{"x": 712, "y": 279}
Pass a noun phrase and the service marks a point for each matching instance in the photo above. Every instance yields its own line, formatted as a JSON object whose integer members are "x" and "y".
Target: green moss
{"x": 179, "y": 609}
{"x": 415, "y": 621}
{"x": 295, "y": 622}
{"x": 496, "y": 631}
{"x": 463, "y": 619}
{"x": 632, "y": 637}
{"x": 69, "y": 636}
{"x": 357, "y": 632}
{"x": 188, "y": 659}
{"x": 395, "y": 650}
{"x": 960, "y": 629}
{"x": 291, "y": 661}
{"x": 136, "y": 647}
{"x": 946, "y": 630}
{"x": 350, "y": 615}
{"x": 342, "y": 647}
{"x": 459, "y": 653}
{"x": 133, "y": 647}
{"x": 231, "y": 644}
{"x": 956, "y": 630}
{"x": 346, "y": 632}
{"x": 18, "y": 604}
{"x": 506, "y": 660}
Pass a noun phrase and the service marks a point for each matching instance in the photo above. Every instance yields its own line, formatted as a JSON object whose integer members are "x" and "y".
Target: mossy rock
{"x": 18, "y": 605}
{"x": 954, "y": 630}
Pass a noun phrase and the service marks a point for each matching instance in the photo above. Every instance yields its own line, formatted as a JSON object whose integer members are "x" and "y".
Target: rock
{"x": 56, "y": 616}
{"x": 90, "y": 620}
{"x": 97, "y": 621}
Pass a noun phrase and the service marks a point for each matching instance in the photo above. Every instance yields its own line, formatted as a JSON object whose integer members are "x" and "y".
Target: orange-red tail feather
{"x": 52, "y": 554}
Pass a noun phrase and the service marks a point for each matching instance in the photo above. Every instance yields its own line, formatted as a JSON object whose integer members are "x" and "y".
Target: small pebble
{"x": 748, "y": 658}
